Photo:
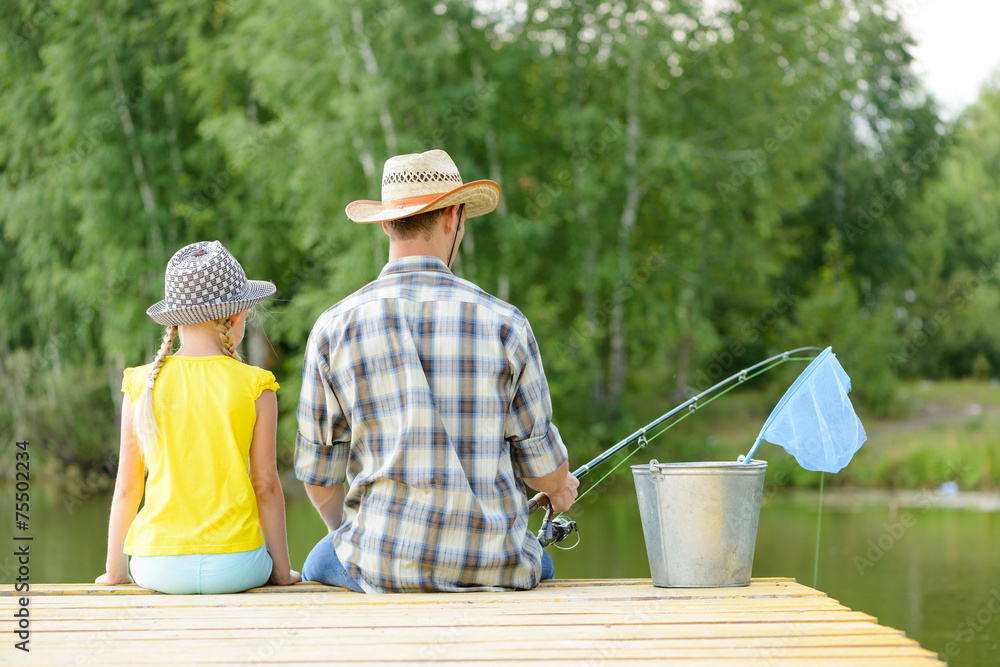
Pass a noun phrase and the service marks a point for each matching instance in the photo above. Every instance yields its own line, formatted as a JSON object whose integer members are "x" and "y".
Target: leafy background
{"x": 688, "y": 187}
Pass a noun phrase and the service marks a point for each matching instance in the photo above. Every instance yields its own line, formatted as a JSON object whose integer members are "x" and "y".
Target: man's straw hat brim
{"x": 479, "y": 197}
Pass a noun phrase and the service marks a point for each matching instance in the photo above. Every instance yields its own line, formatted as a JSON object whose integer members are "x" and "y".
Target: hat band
{"x": 411, "y": 201}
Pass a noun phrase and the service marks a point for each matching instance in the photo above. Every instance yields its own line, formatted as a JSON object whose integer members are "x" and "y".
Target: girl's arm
{"x": 128, "y": 492}
{"x": 267, "y": 488}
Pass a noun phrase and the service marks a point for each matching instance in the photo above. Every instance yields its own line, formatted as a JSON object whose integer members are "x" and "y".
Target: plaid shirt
{"x": 428, "y": 395}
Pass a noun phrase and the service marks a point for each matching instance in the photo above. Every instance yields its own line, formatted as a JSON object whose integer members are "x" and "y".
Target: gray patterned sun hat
{"x": 203, "y": 282}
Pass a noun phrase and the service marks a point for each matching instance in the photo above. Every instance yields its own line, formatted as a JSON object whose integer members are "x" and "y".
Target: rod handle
{"x": 540, "y": 500}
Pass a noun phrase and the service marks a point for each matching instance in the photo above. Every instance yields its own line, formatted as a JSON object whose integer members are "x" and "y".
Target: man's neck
{"x": 400, "y": 249}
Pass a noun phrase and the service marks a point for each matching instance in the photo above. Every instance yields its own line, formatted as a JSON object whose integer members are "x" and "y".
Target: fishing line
{"x": 687, "y": 414}
{"x": 819, "y": 524}
{"x": 619, "y": 465}
{"x": 554, "y": 530}
{"x": 575, "y": 544}
{"x": 723, "y": 393}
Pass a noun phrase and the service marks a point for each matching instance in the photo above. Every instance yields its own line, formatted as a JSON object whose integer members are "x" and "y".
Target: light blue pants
{"x": 208, "y": 574}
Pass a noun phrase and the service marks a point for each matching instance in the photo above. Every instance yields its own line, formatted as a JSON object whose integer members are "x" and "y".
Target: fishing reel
{"x": 554, "y": 530}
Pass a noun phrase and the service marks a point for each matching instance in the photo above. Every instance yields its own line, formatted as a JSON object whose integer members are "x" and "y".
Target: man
{"x": 428, "y": 396}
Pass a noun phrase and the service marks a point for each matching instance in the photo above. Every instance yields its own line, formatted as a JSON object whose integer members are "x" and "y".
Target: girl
{"x": 202, "y": 423}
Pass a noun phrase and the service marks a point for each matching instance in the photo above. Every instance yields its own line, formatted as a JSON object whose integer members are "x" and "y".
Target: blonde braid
{"x": 225, "y": 327}
{"x": 144, "y": 421}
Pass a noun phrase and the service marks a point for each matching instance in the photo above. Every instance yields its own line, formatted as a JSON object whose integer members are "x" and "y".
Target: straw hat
{"x": 420, "y": 182}
{"x": 203, "y": 282}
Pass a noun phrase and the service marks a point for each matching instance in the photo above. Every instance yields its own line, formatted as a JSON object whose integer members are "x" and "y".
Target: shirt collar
{"x": 414, "y": 264}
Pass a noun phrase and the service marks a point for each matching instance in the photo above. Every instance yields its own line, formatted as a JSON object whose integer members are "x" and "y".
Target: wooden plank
{"x": 498, "y": 638}
{"x": 304, "y": 618}
{"x": 114, "y": 621}
{"x": 604, "y": 622}
{"x": 302, "y": 586}
{"x": 331, "y": 658}
{"x": 603, "y": 613}
{"x": 335, "y": 596}
{"x": 658, "y": 631}
{"x": 56, "y": 603}
{"x": 579, "y": 605}
{"x": 360, "y": 620}
{"x": 501, "y": 641}
{"x": 707, "y": 627}
{"x": 212, "y": 652}
{"x": 546, "y": 590}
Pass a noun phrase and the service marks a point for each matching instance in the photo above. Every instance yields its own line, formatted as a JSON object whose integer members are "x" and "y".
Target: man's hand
{"x": 563, "y": 498}
{"x": 559, "y": 485}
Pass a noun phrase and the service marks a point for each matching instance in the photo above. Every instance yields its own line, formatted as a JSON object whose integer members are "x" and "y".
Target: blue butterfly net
{"x": 815, "y": 421}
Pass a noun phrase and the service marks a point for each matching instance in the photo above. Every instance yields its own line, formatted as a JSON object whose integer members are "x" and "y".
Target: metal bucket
{"x": 699, "y": 521}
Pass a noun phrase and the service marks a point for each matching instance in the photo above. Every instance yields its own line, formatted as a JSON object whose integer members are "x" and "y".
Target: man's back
{"x": 433, "y": 397}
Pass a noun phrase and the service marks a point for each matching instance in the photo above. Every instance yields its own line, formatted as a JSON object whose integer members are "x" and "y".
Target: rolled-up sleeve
{"x": 536, "y": 445}
{"x": 322, "y": 443}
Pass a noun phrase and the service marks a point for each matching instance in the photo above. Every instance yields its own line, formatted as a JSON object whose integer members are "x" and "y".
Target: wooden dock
{"x": 594, "y": 622}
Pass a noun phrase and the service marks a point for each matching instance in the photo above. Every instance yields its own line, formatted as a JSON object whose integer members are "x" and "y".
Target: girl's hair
{"x": 144, "y": 421}
{"x": 225, "y": 326}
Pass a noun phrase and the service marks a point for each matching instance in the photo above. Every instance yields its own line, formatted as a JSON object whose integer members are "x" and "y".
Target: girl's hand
{"x": 290, "y": 578}
{"x": 113, "y": 580}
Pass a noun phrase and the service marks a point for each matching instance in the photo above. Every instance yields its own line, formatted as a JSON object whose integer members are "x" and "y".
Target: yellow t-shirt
{"x": 198, "y": 496}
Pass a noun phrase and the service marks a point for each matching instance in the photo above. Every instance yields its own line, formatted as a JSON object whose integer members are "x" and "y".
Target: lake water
{"x": 932, "y": 573}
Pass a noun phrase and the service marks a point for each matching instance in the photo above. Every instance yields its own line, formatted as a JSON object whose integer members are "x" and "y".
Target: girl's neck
{"x": 188, "y": 350}
{"x": 197, "y": 341}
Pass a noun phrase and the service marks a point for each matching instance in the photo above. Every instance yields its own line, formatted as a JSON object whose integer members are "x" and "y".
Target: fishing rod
{"x": 554, "y": 530}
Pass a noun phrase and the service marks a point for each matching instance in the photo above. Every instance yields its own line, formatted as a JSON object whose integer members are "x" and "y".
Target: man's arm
{"x": 538, "y": 451}
{"x": 329, "y": 502}
{"x": 323, "y": 438}
{"x": 559, "y": 485}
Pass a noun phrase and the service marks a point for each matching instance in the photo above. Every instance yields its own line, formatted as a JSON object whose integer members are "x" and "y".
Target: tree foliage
{"x": 687, "y": 187}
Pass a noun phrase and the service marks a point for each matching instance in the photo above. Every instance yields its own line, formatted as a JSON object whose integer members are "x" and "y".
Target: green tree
{"x": 687, "y": 187}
